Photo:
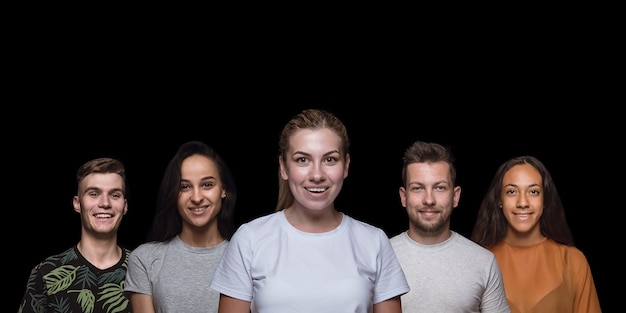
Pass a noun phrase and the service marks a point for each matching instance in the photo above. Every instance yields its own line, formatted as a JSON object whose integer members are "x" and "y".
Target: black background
{"x": 551, "y": 100}
{"x": 246, "y": 134}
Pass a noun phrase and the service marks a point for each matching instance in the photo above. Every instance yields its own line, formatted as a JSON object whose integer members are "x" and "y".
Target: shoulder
{"x": 399, "y": 241}
{"x": 398, "y": 236}
{"x": 150, "y": 248}
{"x": 267, "y": 218}
{"x": 126, "y": 251}
{"x": 53, "y": 261}
{"x": 265, "y": 221}
{"x": 570, "y": 254}
{"x": 63, "y": 257}
{"x": 471, "y": 245}
{"x": 396, "y": 239}
{"x": 362, "y": 228}
{"x": 258, "y": 227}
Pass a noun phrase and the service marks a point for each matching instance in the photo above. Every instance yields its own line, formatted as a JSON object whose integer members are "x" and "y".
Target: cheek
{"x": 215, "y": 195}
{"x": 537, "y": 204}
{"x": 412, "y": 200}
{"x": 508, "y": 204}
{"x": 296, "y": 174}
{"x": 182, "y": 199}
{"x": 337, "y": 174}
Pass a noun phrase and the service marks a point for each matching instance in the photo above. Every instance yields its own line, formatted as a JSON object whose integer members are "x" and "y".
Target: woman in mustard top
{"x": 522, "y": 221}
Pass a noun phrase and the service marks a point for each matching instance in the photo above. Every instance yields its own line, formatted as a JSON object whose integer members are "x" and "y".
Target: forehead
{"x": 522, "y": 173}
{"x": 440, "y": 170}
{"x": 104, "y": 181}
{"x": 198, "y": 165}
{"x": 311, "y": 140}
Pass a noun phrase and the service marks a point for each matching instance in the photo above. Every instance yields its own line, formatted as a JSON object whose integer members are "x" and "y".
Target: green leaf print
{"x": 114, "y": 296}
{"x": 86, "y": 299}
{"x": 60, "y": 278}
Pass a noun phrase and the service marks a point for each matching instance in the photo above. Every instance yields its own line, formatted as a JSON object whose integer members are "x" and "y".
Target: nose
{"x": 522, "y": 202}
{"x": 317, "y": 173}
{"x": 428, "y": 198}
{"x": 196, "y": 195}
{"x": 105, "y": 201}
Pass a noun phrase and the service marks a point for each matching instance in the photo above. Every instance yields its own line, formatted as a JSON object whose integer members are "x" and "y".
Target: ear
{"x": 345, "y": 171}
{"x": 283, "y": 171}
{"x": 76, "y": 204}
{"x": 125, "y": 206}
{"x": 402, "y": 193}
{"x": 457, "y": 196}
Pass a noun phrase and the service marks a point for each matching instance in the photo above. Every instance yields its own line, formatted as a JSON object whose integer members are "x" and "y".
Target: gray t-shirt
{"x": 456, "y": 275}
{"x": 176, "y": 275}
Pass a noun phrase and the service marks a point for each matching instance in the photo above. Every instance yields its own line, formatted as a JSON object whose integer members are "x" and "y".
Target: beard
{"x": 431, "y": 226}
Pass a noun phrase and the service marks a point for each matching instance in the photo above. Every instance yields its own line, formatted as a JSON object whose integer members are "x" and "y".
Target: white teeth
{"x": 198, "y": 209}
{"x": 316, "y": 189}
{"x": 103, "y": 215}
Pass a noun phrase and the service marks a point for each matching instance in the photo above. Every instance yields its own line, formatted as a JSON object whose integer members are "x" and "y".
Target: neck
{"x": 201, "y": 237}
{"x": 428, "y": 238}
{"x": 317, "y": 222}
{"x": 528, "y": 238}
{"x": 101, "y": 253}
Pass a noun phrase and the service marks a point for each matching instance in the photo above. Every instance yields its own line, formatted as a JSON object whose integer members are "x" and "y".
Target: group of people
{"x": 307, "y": 255}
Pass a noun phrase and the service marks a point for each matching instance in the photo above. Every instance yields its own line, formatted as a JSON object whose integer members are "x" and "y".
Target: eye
{"x": 184, "y": 186}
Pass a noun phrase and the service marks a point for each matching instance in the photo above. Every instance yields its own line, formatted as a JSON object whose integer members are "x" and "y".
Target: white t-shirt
{"x": 281, "y": 269}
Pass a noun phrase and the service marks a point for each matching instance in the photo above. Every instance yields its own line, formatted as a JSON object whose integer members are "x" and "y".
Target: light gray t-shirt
{"x": 456, "y": 275}
{"x": 176, "y": 275}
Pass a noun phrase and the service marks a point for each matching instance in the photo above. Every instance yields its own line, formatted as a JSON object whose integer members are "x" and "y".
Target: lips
{"x": 316, "y": 190}
{"x": 522, "y": 216}
{"x": 198, "y": 209}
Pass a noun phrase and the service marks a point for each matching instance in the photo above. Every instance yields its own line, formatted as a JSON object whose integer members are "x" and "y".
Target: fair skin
{"x": 101, "y": 204}
{"x": 199, "y": 202}
{"x": 522, "y": 204}
{"x": 315, "y": 169}
{"x": 429, "y": 199}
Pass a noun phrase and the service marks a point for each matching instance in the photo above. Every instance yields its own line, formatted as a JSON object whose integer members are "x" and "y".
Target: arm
{"x": 494, "y": 297}
{"x": 586, "y": 296}
{"x": 34, "y": 299}
{"x": 392, "y": 305}
{"x": 141, "y": 302}
{"x": 232, "y": 305}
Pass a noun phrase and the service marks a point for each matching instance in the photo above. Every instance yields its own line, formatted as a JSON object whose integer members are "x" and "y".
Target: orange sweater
{"x": 547, "y": 277}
